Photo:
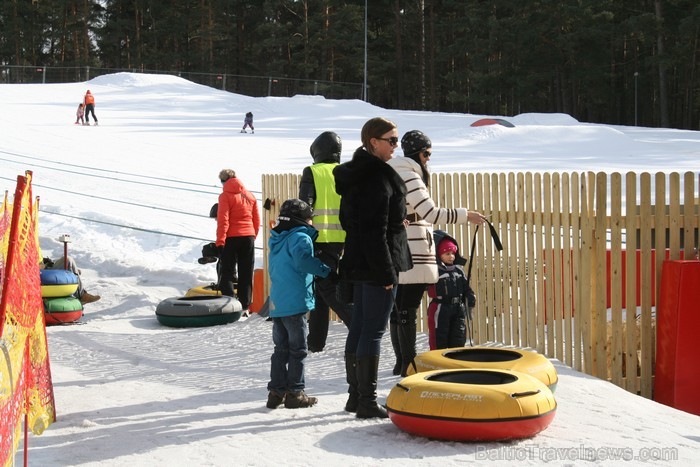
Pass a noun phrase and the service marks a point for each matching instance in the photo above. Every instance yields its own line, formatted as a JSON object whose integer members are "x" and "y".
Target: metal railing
{"x": 256, "y": 86}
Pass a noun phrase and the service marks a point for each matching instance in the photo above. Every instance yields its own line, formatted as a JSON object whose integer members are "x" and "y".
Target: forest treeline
{"x": 607, "y": 61}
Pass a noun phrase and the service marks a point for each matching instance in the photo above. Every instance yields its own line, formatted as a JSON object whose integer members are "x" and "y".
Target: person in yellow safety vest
{"x": 317, "y": 188}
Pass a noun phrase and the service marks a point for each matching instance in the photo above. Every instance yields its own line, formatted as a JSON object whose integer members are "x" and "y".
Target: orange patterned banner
{"x": 25, "y": 373}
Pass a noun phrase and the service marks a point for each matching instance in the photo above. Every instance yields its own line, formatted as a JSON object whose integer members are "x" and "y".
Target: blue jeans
{"x": 287, "y": 369}
{"x": 373, "y": 305}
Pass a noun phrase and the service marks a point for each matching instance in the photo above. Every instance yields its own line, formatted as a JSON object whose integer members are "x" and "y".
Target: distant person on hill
{"x": 81, "y": 294}
{"x": 248, "y": 122}
{"x": 89, "y": 102}
{"x": 79, "y": 114}
{"x": 237, "y": 225}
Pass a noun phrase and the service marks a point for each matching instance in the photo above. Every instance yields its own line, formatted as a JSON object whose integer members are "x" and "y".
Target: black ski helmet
{"x": 413, "y": 142}
{"x": 296, "y": 209}
{"x": 326, "y": 147}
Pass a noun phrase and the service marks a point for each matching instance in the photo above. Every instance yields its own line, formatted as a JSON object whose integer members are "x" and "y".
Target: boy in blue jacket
{"x": 292, "y": 266}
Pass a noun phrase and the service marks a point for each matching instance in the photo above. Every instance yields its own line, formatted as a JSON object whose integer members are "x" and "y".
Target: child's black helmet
{"x": 296, "y": 209}
{"x": 414, "y": 142}
{"x": 326, "y": 147}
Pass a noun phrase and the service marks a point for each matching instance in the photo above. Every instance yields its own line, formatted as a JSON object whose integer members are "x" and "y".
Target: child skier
{"x": 448, "y": 314}
{"x": 248, "y": 122}
{"x": 79, "y": 114}
{"x": 292, "y": 266}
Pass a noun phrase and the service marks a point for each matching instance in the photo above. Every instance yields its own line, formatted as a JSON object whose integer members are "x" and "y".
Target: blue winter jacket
{"x": 292, "y": 266}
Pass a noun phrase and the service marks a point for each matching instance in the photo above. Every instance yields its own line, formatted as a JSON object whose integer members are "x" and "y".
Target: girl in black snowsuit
{"x": 452, "y": 299}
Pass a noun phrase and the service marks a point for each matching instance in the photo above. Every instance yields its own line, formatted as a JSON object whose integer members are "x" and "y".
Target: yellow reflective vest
{"x": 327, "y": 205}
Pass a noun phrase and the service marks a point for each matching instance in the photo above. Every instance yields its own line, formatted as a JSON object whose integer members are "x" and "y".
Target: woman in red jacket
{"x": 89, "y": 101}
{"x": 238, "y": 223}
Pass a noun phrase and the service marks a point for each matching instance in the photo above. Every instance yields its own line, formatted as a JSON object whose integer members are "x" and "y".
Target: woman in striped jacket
{"x": 422, "y": 213}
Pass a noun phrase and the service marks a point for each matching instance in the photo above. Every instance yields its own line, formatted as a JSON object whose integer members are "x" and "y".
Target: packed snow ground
{"x": 134, "y": 194}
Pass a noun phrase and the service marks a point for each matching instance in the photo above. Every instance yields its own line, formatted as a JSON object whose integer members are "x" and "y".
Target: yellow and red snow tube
{"x": 471, "y": 405}
{"x": 499, "y": 358}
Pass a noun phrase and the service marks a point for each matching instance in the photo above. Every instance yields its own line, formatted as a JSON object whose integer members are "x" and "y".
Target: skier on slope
{"x": 248, "y": 122}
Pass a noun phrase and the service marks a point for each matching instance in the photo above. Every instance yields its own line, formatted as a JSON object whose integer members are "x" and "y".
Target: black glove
{"x": 333, "y": 277}
{"x": 220, "y": 251}
{"x": 471, "y": 298}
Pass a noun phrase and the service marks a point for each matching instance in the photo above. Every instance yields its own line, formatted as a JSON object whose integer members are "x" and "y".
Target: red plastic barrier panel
{"x": 608, "y": 276}
{"x": 677, "y": 323}
{"x": 638, "y": 276}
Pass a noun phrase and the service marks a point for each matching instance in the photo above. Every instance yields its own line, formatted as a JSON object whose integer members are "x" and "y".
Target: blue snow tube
{"x": 57, "y": 283}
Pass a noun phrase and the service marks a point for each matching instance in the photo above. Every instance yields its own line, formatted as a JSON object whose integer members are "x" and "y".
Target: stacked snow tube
{"x": 471, "y": 405}
{"x": 209, "y": 290}
{"x": 57, "y": 289}
{"x": 198, "y": 311}
{"x": 521, "y": 360}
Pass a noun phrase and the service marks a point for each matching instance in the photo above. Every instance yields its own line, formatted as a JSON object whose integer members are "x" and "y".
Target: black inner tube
{"x": 483, "y": 355}
{"x": 201, "y": 298}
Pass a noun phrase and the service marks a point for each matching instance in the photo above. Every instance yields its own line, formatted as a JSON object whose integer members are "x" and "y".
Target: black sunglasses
{"x": 394, "y": 141}
{"x": 427, "y": 153}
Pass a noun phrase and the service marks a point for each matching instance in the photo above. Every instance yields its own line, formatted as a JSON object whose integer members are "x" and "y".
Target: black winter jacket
{"x": 372, "y": 211}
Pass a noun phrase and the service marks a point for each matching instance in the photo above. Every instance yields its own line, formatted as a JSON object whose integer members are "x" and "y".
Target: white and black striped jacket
{"x": 422, "y": 214}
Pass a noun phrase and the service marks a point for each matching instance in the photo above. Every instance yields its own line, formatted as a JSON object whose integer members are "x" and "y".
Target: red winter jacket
{"x": 238, "y": 214}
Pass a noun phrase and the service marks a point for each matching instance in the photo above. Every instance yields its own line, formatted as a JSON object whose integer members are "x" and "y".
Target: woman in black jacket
{"x": 372, "y": 213}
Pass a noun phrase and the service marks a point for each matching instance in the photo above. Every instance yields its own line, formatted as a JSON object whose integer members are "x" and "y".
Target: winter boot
{"x": 275, "y": 399}
{"x": 367, "y": 407}
{"x": 243, "y": 131}
{"x": 88, "y": 298}
{"x": 298, "y": 400}
{"x": 351, "y": 378}
{"x": 394, "y": 333}
{"x": 407, "y": 338}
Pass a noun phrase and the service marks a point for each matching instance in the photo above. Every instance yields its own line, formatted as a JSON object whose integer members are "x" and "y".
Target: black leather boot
{"x": 393, "y": 332}
{"x": 351, "y": 378}
{"x": 407, "y": 338}
{"x": 367, "y": 369}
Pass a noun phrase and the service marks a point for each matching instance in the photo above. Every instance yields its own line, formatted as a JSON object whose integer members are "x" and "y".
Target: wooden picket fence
{"x": 580, "y": 269}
